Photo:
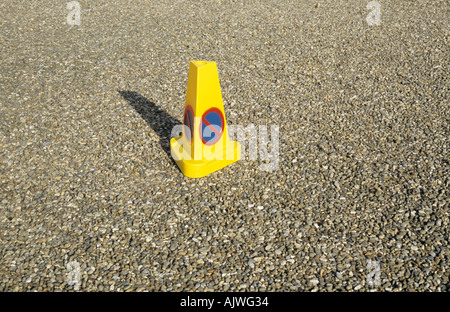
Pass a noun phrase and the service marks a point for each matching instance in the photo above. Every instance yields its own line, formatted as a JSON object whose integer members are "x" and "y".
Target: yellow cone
{"x": 204, "y": 146}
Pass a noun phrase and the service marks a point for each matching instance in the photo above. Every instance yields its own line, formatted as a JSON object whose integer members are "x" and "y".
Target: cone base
{"x": 200, "y": 168}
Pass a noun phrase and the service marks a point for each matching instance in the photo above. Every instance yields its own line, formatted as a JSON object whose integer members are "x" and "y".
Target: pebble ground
{"x": 90, "y": 199}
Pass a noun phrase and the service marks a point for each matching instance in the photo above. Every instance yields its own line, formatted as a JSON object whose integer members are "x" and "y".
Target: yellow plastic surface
{"x": 195, "y": 158}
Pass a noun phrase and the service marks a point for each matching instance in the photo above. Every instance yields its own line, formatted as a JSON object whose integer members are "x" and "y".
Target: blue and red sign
{"x": 211, "y": 126}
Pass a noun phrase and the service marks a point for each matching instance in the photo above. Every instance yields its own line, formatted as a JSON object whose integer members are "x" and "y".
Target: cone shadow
{"x": 160, "y": 121}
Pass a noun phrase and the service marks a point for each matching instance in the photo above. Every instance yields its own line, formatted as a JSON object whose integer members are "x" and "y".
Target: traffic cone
{"x": 204, "y": 145}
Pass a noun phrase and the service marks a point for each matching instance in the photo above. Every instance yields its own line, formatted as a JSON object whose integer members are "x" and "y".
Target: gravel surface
{"x": 91, "y": 200}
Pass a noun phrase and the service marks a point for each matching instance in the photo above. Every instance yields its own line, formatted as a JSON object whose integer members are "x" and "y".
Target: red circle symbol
{"x": 211, "y": 126}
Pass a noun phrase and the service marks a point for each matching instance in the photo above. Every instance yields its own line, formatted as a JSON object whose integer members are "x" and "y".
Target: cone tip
{"x": 200, "y": 63}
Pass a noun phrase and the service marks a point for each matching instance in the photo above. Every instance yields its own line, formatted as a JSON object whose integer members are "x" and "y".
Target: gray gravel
{"x": 91, "y": 200}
